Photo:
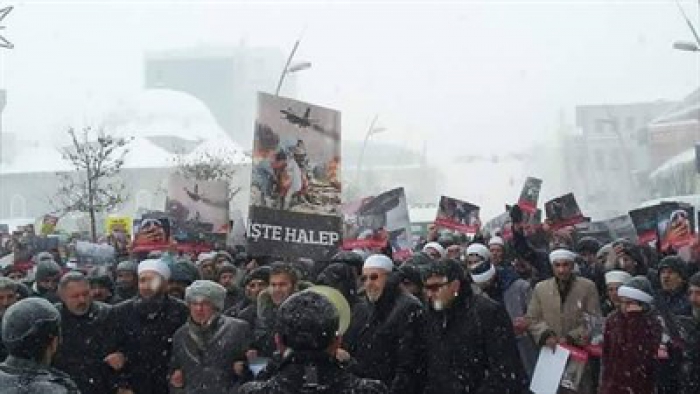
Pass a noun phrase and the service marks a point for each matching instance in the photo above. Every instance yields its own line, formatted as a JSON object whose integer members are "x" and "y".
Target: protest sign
{"x": 374, "y": 222}
{"x": 563, "y": 212}
{"x": 197, "y": 208}
{"x": 458, "y": 215}
{"x": 530, "y": 194}
{"x": 295, "y": 181}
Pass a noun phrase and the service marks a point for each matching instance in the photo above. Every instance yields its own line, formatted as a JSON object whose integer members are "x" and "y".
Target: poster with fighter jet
{"x": 458, "y": 215}
{"x": 197, "y": 208}
{"x": 295, "y": 206}
{"x": 374, "y": 222}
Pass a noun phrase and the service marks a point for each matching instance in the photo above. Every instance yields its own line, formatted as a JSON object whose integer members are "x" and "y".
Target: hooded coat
{"x": 290, "y": 378}
{"x": 206, "y": 355}
{"x": 472, "y": 348}
{"x": 690, "y": 368}
{"x": 86, "y": 341}
{"x": 145, "y": 331}
{"x": 20, "y": 376}
{"x": 386, "y": 339}
{"x": 630, "y": 344}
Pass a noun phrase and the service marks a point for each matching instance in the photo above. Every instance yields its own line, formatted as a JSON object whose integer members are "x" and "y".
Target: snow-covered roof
{"x": 145, "y": 154}
{"x": 163, "y": 112}
{"x": 680, "y": 159}
{"x": 35, "y": 159}
{"x": 223, "y": 147}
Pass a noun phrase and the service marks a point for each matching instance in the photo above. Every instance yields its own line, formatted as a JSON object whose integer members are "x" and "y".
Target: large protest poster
{"x": 675, "y": 225}
{"x": 563, "y": 212}
{"x": 119, "y": 226}
{"x": 501, "y": 226}
{"x": 645, "y": 223}
{"x": 530, "y": 194}
{"x": 196, "y": 208}
{"x": 48, "y": 224}
{"x": 458, "y": 215}
{"x": 295, "y": 181}
{"x": 374, "y": 222}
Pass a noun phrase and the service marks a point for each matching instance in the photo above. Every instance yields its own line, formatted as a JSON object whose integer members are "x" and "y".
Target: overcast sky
{"x": 463, "y": 76}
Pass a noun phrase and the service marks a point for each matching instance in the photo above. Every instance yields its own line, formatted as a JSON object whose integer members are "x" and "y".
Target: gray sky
{"x": 464, "y": 76}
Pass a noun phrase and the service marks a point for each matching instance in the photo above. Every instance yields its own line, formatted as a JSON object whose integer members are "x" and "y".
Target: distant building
{"x": 676, "y": 130}
{"x": 162, "y": 122}
{"x": 609, "y": 160}
{"x": 226, "y": 80}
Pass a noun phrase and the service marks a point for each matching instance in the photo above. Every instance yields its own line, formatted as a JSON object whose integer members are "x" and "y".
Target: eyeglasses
{"x": 372, "y": 277}
{"x": 435, "y": 286}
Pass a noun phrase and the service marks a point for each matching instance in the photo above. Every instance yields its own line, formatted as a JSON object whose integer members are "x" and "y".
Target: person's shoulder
{"x": 255, "y": 388}
{"x": 586, "y": 283}
{"x": 235, "y": 323}
{"x": 545, "y": 285}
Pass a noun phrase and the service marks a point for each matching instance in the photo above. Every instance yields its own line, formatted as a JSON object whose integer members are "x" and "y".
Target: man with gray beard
{"x": 88, "y": 348}
{"x": 385, "y": 340}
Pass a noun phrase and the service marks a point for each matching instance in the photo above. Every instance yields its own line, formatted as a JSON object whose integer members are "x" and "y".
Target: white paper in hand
{"x": 549, "y": 370}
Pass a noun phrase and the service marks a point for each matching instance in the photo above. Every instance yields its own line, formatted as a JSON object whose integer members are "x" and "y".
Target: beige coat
{"x": 546, "y": 312}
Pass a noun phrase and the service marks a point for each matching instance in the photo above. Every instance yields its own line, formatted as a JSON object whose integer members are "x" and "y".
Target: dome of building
{"x": 175, "y": 121}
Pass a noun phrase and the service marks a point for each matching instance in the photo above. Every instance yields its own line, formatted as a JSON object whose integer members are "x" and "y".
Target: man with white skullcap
{"x": 558, "y": 304}
{"x": 434, "y": 250}
{"x": 396, "y": 359}
{"x": 613, "y": 280}
{"x": 145, "y": 328}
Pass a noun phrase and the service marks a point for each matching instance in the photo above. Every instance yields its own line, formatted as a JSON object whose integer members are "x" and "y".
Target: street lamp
{"x": 686, "y": 46}
{"x": 288, "y": 69}
{"x": 372, "y": 130}
{"x": 3, "y": 42}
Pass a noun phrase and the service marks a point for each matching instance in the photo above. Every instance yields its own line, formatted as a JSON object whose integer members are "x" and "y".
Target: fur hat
{"x": 207, "y": 290}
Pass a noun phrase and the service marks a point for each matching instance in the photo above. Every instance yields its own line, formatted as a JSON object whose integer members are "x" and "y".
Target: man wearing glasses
{"x": 470, "y": 338}
{"x": 385, "y": 337}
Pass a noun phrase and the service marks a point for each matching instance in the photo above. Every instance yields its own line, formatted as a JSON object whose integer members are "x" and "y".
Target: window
{"x": 18, "y": 207}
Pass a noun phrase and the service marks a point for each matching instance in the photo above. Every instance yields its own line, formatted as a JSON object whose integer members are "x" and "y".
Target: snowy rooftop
{"x": 670, "y": 164}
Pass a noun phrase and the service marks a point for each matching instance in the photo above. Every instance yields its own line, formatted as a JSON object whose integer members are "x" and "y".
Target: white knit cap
{"x": 435, "y": 246}
{"x": 379, "y": 261}
{"x": 158, "y": 266}
{"x": 205, "y": 256}
{"x": 496, "y": 241}
{"x": 562, "y": 254}
{"x": 479, "y": 250}
{"x": 617, "y": 276}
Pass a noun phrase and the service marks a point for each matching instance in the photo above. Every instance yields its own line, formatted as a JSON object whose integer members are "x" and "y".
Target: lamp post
{"x": 3, "y": 42}
{"x": 288, "y": 68}
{"x": 370, "y": 132}
{"x": 688, "y": 45}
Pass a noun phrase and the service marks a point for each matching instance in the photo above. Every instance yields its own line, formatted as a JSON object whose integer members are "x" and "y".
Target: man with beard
{"x": 254, "y": 283}
{"x": 470, "y": 338}
{"x": 209, "y": 350}
{"x": 672, "y": 296}
{"x": 31, "y": 333}
{"x": 497, "y": 248}
{"x": 46, "y": 278}
{"x": 306, "y": 332}
{"x": 88, "y": 348}
{"x": 385, "y": 338}
{"x": 127, "y": 281}
{"x": 206, "y": 266}
{"x": 8, "y": 296}
{"x": 145, "y": 326}
{"x": 558, "y": 306}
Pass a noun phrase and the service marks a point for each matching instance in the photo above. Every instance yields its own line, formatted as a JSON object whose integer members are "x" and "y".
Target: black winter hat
{"x": 675, "y": 263}
{"x": 307, "y": 321}
{"x": 350, "y": 258}
{"x": 260, "y": 273}
{"x": 28, "y": 325}
{"x": 448, "y": 268}
{"x": 46, "y": 269}
{"x": 411, "y": 273}
{"x": 588, "y": 245}
{"x": 184, "y": 272}
{"x": 226, "y": 267}
{"x": 128, "y": 265}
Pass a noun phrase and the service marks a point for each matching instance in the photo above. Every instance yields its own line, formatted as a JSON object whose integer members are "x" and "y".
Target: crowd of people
{"x": 459, "y": 316}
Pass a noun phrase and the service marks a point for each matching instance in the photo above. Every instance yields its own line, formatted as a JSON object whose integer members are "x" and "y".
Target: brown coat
{"x": 546, "y": 312}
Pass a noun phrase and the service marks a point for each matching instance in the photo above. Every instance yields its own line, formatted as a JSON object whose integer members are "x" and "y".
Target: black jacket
{"x": 19, "y": 376}
{"x": 690, "y": 369}
{"x": 316, "y": 373}
{"x": 386, "y": 340}
{"x": 472, "y": 349}
{"x": 86, "y": 341}
{"x": 144, "y": 334}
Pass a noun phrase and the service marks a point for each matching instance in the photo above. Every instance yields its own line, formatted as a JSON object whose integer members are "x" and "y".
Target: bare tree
{"x": 93, "y": 187}
{"x": 209, "y": 166}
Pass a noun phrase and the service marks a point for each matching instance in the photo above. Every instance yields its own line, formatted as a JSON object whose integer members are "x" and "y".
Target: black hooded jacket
{"x": 386, "y": 339}
{"x": 472, "y": 349}
{"x": 312, "y": 373}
